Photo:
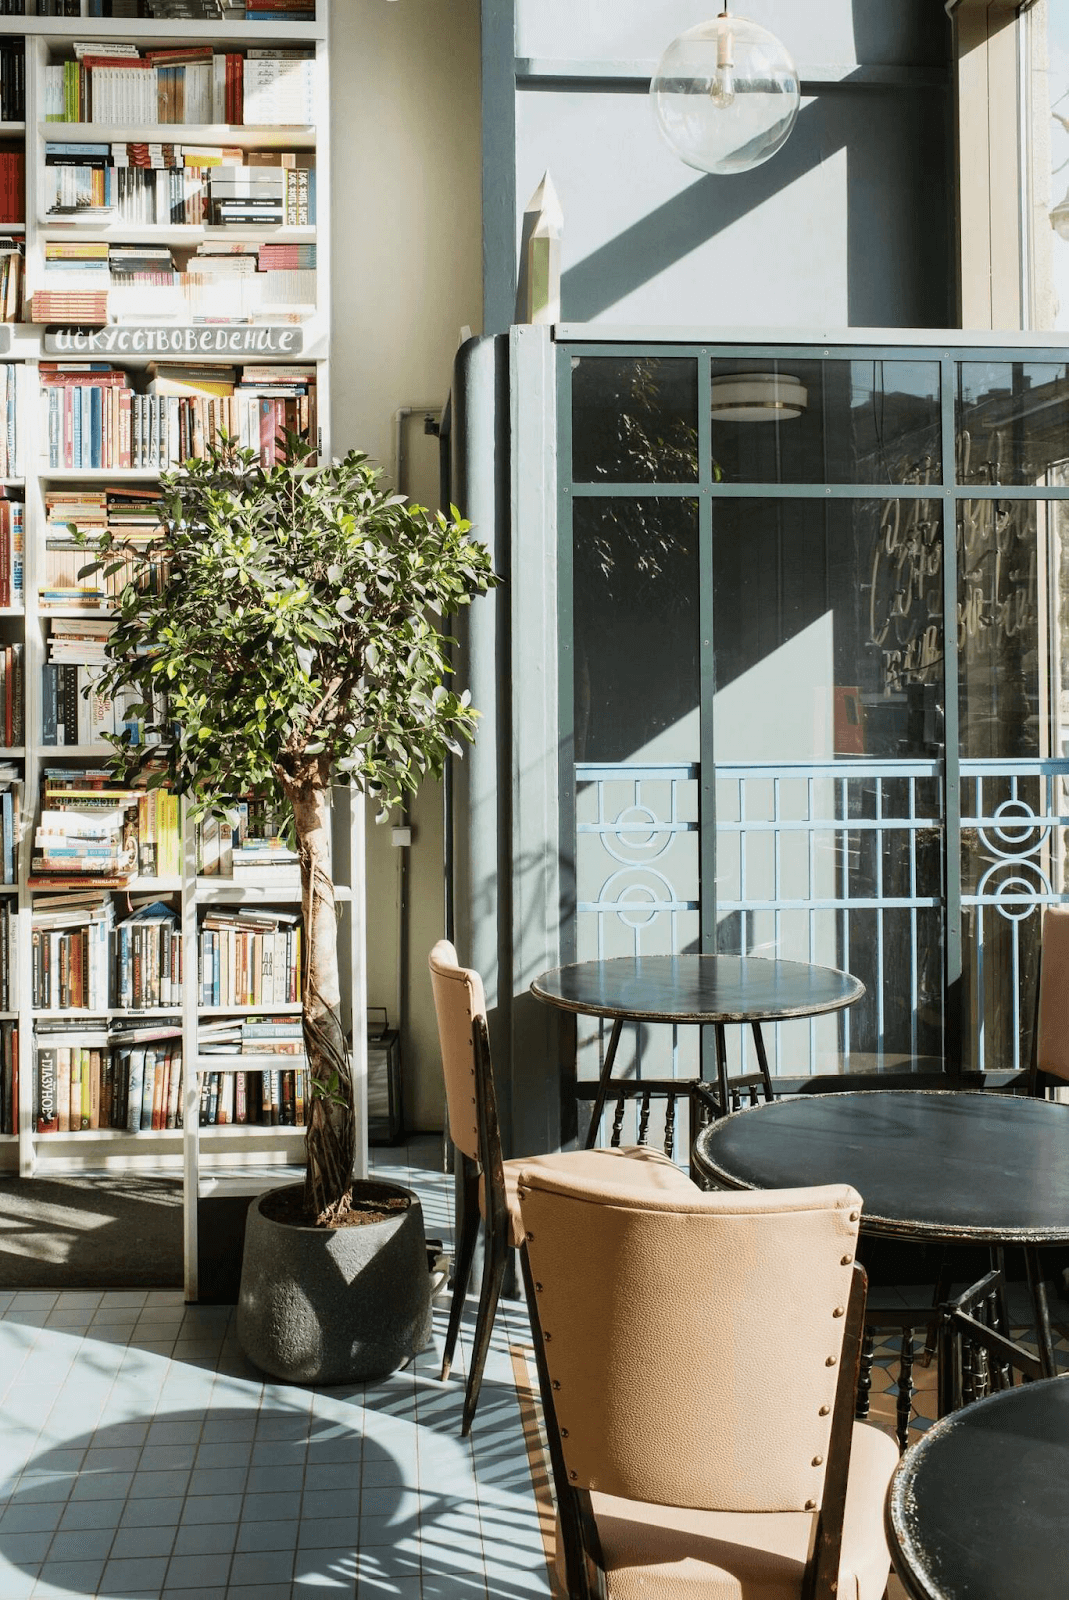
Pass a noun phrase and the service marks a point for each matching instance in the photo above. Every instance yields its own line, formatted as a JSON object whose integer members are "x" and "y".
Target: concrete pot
{"x": 335, "y": 1305}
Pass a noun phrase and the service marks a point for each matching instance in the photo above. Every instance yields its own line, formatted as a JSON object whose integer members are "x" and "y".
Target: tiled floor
{"x": 141, "y": 1456}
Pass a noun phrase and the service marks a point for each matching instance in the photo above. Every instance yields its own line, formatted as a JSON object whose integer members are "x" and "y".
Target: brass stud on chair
{"x": 830, "y": 1362}
{"x": 810, "y": 1505}
{"x": 556, "y": 1383}
{"x": 818, "y": 1461}
{"x": 839, "y": 1311}
{"x": 824, "y": 1411}
{"x": 855, "y": 1216}
{"x": 564, "y": 1433}
{"x": 846, "y": 1260}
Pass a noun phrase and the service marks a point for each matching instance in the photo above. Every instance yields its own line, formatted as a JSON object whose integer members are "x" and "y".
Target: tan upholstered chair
{"x": 698, "y": 1357}
{"x": 488, "y": 1184}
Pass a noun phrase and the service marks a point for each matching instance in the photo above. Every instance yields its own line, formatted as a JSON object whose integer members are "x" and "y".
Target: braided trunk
{"x": 330, "y": 1142}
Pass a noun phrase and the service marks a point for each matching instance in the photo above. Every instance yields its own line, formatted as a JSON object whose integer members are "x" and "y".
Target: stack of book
{"x": 92, "y": 418}
{"x": 10, "y": 821}
{"x": 73, "y": 708}
{"x": 83, "y": 308}
{"x": 12, "y": 278}
{"x": 226, "y": 282}
{"x": 12, "y": 80}
{"x": 144, "y": 284}
{"x": 12, "y": 514}
{"x": 270, "y": 1095}
{"x": 69, "y": 943}
{"x": 12, "y": 182}
{"x": 87, "y": 830}
{"x": 9, "y": 1077}
{"x": 159, "y": 834}
{"x": 8, "y": 928}
{"x": 250, "y": 957}
{"x": 15, "y": 389}
{"x": 12, "y": 702}
{"x": 86, "y": 414}
{"x": 179, "y": 184}
{"x": 252, "y": 835}
{"x": 279, "y": 87}
{"x": 147, "y": 959}
{"x": 127, "y": 513}
{"x": 112, "y": 1079}
{"x": 119, "y": 83}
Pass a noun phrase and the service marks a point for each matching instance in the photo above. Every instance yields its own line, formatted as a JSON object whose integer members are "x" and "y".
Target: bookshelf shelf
{"x": 239, "y": 136}
{"x": 105, "y": 1013}
{"x": 183, "y": 234}
{"x": 226, "y": 891}
{"x": 33, "y": 626}
{"x": 280, "y": 1008}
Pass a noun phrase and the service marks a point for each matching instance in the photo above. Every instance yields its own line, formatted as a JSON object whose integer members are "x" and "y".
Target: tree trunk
{"x": 330, "y": 1142}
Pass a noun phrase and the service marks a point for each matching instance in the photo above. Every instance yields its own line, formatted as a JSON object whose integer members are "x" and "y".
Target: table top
{"x": 927, "y": 1163}
{"x": 978, "y": 1509}
{"x": 693, "y": 988}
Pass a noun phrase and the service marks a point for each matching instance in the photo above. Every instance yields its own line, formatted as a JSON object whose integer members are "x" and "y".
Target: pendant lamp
{"x": 726, "y": 95}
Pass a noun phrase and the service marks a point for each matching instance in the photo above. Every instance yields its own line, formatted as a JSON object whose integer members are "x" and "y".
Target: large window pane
{"x": 635, "y": 605}
{"x": 827, "y": 629}
{"x": 794, "y": 421}
{"x": 1012, "y": 422}
{"x": 634, "y": 420}
{"x": 1013, "y": 628}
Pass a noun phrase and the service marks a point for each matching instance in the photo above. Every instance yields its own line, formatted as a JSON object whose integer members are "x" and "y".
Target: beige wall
{"x": 989, "y": 167}
{"x": 405, "y": 206}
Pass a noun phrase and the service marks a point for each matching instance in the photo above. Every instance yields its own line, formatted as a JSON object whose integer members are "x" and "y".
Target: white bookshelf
{"x": 214, "y": 1155}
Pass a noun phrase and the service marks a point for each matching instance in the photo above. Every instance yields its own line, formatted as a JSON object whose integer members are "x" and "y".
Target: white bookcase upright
{"x": 194, "y": 1152}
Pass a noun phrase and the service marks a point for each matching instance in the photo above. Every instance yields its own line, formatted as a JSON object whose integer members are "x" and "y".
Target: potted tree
{"x": 290, "y": 615}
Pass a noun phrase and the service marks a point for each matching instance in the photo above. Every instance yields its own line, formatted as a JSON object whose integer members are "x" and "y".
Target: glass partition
{"x": 782, "y": 742}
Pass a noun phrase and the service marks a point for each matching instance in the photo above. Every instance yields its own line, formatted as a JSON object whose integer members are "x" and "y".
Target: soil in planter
{"x": 370, "y": 1204}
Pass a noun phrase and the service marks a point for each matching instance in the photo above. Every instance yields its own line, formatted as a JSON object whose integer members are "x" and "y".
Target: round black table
{"x": 949, "y": 1165}
{"x": 694, "y": 989}
{"x": 978, "y": 1510}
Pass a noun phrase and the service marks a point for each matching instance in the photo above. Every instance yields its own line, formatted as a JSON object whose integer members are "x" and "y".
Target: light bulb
{"x": 722, "y": 88}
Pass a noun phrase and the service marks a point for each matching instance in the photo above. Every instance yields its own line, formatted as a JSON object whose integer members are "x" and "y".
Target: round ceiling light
{"x": 757, "y": 397}
{"x": 726, "y": 95}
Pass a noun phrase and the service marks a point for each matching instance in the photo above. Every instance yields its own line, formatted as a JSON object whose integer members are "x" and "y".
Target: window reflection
{"x": 794, "y": 421}
{"x": 1012, "y": 422}
{"x": 828, "y": 629}
{"x": 634, "y": 420}
{"x": 635, "y": 604}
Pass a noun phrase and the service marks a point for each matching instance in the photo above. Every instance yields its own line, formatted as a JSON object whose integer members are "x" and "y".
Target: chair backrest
{"x": 693, "y": 1340}
{"x": 460, "y": 1007}
{"x": 1052, "y": 1045}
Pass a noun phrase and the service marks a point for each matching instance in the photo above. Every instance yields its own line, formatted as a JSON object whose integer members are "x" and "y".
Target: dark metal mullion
{"x": 953, "y": 987}
{"x": 810, "y": 491}
{"x": 566, "y": 658}
{"x": 707, "y": 693}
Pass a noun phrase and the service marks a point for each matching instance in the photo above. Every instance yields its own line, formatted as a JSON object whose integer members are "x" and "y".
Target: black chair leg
{"x": 493, "y": 1277}
{"x": 467, "y": 1233}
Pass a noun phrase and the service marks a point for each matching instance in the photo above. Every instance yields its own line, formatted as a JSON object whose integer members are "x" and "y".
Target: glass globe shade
{"x": 726, "y": 95}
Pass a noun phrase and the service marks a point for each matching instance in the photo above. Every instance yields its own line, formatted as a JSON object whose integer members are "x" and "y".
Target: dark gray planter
{"x": 335, "y": 1305}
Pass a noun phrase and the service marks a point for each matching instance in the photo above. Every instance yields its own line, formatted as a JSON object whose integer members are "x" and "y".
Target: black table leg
{"x": 1038, "y": 1289}
{"x": 722, "y": 1068}
{"x": 603, "y": 1083}
{"x": 762, "y": 1059}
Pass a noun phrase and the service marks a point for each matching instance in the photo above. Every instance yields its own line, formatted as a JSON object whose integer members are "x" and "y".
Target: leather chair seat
{"x": 673, "y": 1553}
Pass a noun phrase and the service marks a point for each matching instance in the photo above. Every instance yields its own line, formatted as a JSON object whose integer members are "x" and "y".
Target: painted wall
{"x": 405, "y": 123}
{"x": 846, "y": 226}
